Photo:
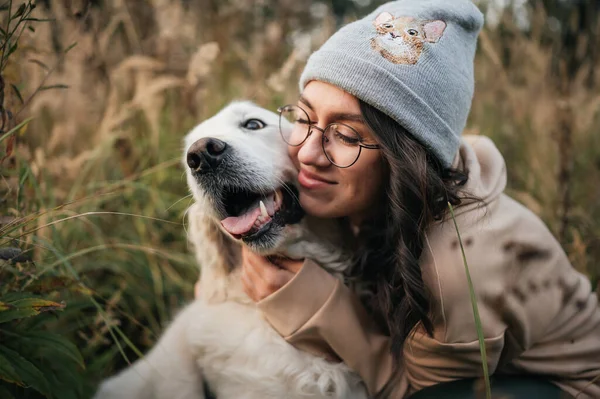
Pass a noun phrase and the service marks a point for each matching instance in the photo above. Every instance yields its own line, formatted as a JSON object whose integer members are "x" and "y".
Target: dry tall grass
{"x": 548, "y": 136}
{"x": 143, "y": 72}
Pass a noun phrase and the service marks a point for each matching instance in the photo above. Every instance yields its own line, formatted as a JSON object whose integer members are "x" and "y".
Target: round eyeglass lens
{"x": 296, "y": 131}
{"x": 341, "y": 145}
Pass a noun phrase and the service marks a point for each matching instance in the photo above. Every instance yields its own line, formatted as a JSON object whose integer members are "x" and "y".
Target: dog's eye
{"x": 387, "y": 26}
{"x": 413, "y": 32}
{"x": 254, "y": 124}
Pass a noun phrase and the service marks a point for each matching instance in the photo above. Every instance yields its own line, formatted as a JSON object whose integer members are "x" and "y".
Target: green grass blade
{"x": 15, "y": 129}
{"x": 85, "y": 214}
{"x": 58, "y": 343}
{"x": 484, "y": 363}
{"x": 8, "y": 373}
{"x": 31, "y": 375}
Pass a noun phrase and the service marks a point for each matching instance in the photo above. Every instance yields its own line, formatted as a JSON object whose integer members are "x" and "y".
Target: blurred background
{"x": 96, "y": 96}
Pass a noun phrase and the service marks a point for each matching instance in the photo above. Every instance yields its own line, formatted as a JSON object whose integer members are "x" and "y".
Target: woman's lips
{"x": 309, "y": 180}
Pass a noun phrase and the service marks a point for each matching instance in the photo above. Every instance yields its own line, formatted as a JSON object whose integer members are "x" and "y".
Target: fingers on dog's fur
{"x": 261, "y": 278}
{"x": 272, "y": 276}
{"x": 249, "y": 287}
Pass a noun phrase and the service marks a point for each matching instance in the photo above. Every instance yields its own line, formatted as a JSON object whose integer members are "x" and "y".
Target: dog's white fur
{"x": 222, "y": 337}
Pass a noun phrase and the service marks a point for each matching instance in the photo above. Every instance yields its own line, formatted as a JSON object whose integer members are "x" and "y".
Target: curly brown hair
{"x": 418, "y": 191}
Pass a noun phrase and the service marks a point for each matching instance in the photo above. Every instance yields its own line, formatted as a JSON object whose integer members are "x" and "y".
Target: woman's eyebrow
{"x": 346, "y": 117}
{"x": 335, "y": 116}
{"x": 303, "y": 100}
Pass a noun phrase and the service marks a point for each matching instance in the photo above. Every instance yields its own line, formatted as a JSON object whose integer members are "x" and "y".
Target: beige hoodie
{"x": 539, "y": 315}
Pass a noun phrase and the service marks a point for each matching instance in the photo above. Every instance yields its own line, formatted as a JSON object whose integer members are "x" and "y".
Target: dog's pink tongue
{"x": 241, "y": 224}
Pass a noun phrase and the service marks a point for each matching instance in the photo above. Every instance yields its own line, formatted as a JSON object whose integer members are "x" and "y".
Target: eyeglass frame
{"x": 311, "y": 126}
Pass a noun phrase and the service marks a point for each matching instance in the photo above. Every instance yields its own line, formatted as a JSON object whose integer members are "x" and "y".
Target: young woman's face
{"x": 326, "y": 190}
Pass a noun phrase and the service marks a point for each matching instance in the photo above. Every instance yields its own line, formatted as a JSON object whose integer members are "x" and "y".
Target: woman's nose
{"x": 311, "y": 151}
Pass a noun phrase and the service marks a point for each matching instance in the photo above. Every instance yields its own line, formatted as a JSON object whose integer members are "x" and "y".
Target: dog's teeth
{"x": 263, "y": 210}
{"x": 277, "y": 197}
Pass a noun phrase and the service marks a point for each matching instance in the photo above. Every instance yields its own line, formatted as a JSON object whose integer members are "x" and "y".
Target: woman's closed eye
{"x": 344, "y": 134}
{"x": 349, "y": 140}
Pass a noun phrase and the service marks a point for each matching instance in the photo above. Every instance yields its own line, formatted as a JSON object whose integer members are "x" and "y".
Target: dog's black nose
{"x": 206, "y": 154}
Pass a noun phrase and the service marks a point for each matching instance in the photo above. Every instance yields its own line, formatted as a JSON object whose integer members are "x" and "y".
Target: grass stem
{"x": 478, "y": 325}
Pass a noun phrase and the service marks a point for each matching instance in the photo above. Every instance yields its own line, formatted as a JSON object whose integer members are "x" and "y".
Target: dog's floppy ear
{"x": 433, "y": 30}
{"x": 217, "y": 254}
{"x": 383, "y": 17}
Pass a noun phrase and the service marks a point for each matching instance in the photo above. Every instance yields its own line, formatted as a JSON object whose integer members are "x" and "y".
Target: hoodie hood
{"x": 479, "y": 156}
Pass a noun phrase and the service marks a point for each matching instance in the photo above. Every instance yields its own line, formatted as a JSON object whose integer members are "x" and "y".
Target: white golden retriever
{"x": 243, "y": 185}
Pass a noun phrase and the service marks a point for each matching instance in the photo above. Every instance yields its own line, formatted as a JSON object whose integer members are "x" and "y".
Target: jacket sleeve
{"x": 317, "y": 313}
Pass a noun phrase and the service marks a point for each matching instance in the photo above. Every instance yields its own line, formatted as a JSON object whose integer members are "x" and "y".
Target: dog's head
{"x": 239, "y": 171}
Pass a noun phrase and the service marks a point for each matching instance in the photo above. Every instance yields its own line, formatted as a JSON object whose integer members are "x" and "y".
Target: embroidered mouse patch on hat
{"x": 401, "y": 40}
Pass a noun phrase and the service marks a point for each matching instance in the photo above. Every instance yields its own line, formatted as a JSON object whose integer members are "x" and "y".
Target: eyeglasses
{"x": 341, "y": 144}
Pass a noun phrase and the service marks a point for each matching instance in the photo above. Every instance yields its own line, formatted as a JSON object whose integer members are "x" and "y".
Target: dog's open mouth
{"x": 251, "y": 214}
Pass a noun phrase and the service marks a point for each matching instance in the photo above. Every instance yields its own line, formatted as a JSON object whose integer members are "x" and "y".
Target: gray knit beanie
{"x": 411, "y": 59}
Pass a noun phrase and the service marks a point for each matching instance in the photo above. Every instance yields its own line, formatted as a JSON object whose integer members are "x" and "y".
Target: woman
{"x": 377, "y": 142}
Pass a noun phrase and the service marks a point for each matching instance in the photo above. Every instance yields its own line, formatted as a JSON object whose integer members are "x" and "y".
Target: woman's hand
{"x": 261, "y": 277}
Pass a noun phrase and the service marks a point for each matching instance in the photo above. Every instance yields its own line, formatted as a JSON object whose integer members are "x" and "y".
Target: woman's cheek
{"x": 293, "y": 154}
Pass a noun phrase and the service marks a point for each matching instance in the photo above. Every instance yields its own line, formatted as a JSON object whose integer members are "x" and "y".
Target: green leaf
{"x": 30, "y": 375}
{"x": 19, "y": 12}
{"x": 13, "y": 314}
{"x": 12, "y": 49}
{"x": 70, "y": 47}
{"x": 40, "y": 19}
{"x": 56, "y": 343}
{"x": 41, "y": 305}
{"x": 67, "y": 381}
{"x": 5, "y": 306}
{"x": 8, "y": 373}
{"x": 57, "y": 86}
{"x": 13, "y": 296}
{"x": 15, "y": 129}
{"x": 18, "y": 93}
{"x": 28, "y": 307}
{"x": 40, "y": 63}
